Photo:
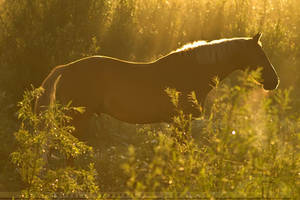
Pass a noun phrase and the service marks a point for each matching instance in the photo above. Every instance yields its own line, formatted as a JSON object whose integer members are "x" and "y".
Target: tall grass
{"x": 245, "y": 144}
{"x": 241, "y": 148}
{"x": 242, "y": 130}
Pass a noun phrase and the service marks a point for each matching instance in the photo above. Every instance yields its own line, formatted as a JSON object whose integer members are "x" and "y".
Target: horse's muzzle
{"x": 271, "y": 85}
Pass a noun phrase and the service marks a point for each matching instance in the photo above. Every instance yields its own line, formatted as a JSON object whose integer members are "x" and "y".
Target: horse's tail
{"x": 48, "y": 96}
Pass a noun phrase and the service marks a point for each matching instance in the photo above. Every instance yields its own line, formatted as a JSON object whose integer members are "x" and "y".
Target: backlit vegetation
{"x": 246, "y": 143}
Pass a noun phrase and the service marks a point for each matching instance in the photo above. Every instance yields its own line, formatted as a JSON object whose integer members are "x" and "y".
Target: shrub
{"x": 44, "y": 144}
{"x": 239, "y": 150}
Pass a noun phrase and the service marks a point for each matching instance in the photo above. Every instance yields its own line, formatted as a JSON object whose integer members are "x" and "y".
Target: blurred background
{"x": 37, "y": 35}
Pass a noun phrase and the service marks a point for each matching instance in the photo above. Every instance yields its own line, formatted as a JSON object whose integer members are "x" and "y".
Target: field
{"x": 245, "y": 144}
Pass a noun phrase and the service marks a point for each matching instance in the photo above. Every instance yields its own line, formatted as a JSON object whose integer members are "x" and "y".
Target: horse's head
{"x": 255, "y": 57}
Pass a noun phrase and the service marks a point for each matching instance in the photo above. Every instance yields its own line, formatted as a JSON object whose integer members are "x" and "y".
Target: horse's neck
{"x": 222, "y": 56}
{"x": 224, "y": 62}
{"x": 187, "y": 68}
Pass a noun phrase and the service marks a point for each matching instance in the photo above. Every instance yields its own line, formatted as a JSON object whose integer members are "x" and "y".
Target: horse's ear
{"x": 257, "y": 37}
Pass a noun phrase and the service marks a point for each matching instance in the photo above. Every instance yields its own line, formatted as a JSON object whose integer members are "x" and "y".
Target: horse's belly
{"x": 139, "y": 107}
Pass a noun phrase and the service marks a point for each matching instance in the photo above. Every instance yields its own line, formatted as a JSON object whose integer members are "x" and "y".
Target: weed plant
{"x": 44, "y": 147}
{"x": 243, "y": 145}
{"x": 241, "y": 148}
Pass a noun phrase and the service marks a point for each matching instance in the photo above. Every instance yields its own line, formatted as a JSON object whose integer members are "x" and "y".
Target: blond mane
{"x": 214, "y": 51}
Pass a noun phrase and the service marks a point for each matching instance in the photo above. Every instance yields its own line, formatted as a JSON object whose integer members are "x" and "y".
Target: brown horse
{"x": 135, "y": 92}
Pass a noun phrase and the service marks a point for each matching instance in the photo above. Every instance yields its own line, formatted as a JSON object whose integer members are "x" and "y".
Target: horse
{"x": 134, "y": 92}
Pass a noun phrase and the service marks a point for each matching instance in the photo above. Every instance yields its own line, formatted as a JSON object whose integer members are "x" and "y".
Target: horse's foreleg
{"x": 82, "y": 123}
{"x": 81, "y": 132}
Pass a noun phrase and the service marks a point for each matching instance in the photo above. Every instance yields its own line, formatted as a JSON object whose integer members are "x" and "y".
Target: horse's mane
{"x": 214, "y": 51}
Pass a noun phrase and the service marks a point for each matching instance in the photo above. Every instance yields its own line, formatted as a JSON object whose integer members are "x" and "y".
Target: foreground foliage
{"x": 241, "y": 148}
{"x": 245, "y": 144}
{"x": 45, "y": 144}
